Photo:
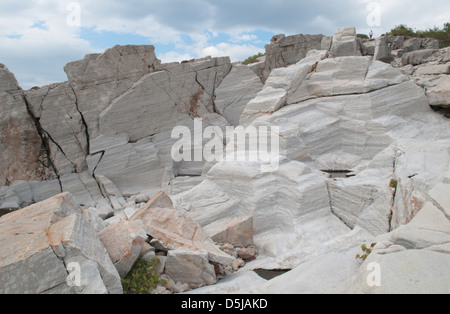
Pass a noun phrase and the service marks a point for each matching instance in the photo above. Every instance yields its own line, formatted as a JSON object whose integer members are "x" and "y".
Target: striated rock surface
{"x": 172, "y": 93}
{"x": 288, "y": 206}
{"x": 413, "y": 259}
{"x": 56, "y": 108}
{"x": 276, "y": 90}
{"x": 82, "y": 126}
{"x": 100, "y": 78}
{"x": 235, "y": 91}
{"x": 339, "y": 124}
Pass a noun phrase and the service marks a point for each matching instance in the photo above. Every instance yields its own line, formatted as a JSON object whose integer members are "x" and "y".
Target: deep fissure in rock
{"x": 45, "y": 142}
{"x": 269, "y": 274}
{"x": 339, "y": 174}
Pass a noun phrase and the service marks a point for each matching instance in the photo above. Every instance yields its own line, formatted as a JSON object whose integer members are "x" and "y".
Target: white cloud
{"x": 243, "y": 38}
{"x": 324, "y": 23}
{"x": 44, "y": 42}
{"x": 234, "y": 51}
{"x": 174, "y": 56}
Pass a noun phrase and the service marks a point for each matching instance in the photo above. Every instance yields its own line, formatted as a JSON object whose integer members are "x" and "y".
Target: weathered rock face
{"x": 168, "y": 96}
{"x": 238, "y": 231}
{"x": 437, "y": 87}
{"x": 40, "y": 242}
{"x": 417, "y": 57}
{"x": 382, "y": 50}
{"x": 368, "y": 47}
{"x": 429, "y": 69}
{"x": 178, "y": 231}
{"x": 123, "y": 241}
{"x": 23, "y": 155}
{"x": 345, "y": 43}
{"x": 56, "y": 108}
{"x": 388, "y": 48}
{"x": 404, "y": 44}
{"x": 274, "y": 95}
{"x": 284, "y": 51}
{"x": 172, "y": 93}
{"x": 191, "y": 268}
{"x": 100, "y": 78}
{"x": 79, "y": 131}
{"x": 8, "y": 81}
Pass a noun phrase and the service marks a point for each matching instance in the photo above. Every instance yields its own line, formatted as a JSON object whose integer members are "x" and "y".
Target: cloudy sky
{"x": 38, "y": 37}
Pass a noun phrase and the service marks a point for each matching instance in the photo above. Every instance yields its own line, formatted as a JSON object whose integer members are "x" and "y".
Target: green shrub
{"x": 366, "y": 250}
{"x": 362, "y": 36}
{"x": 253, "y": 59}
{"x": 402, "y": 30}
{"x": 142, "y": 279}
{"x": 393, "y": 184}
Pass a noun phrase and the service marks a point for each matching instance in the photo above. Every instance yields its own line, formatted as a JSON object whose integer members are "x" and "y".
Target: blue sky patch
{"x": 40, "y": 25}
{"x": 15, "y": 36}
{"x": 103, "y": 40}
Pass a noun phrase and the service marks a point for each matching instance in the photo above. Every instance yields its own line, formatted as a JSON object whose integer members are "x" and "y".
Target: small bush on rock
{"x": 393, "y": 184}
{"x": 142, "y": 279}
{"x": 366, "y": 250}
{"x": 253, "y": 59}
{"x": 402, "y": 30}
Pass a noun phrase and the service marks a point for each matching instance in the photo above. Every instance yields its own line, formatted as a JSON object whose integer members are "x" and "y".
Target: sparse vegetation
{"x": 393, "y": 184}
{"x": 253, "y": 59}
{"x": 362, "y": 36}
{"x": 402, "y": 30}
{"x": 142, "y": 279}
{"x": 366, "y": 250}
{"x": 443, "y": 35}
